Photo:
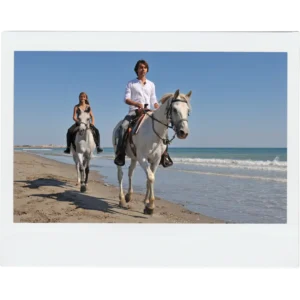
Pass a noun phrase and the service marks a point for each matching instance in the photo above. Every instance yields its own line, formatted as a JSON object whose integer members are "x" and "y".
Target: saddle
{"x": 133, "y": 129}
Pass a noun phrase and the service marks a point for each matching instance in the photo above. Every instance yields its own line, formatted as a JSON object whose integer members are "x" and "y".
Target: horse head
{"x": 84, "y": 122}
{"x": 178, "y": 111}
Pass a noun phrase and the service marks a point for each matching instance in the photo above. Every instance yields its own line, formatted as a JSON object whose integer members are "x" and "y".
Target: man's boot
{"x": 120, "y": 158}
{"x": 120, "y": 153}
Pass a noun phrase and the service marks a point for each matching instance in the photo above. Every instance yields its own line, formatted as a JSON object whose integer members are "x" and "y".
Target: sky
{"x": 238, "y": 99}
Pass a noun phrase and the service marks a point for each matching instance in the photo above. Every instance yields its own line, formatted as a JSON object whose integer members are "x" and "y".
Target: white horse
{"x": 85, "y": 146}
{"x": 151, "y": 142}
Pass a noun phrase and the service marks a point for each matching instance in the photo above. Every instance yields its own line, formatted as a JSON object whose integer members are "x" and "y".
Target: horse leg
{"x": 76, "y": 161}
{"x": 130, "y": 173}
{"x": 87, "y": 171}
{"x": 146, "y": 199}
{"x": 122, "y": 202}
{"x": 149, "y": 207}
{"x": 81, "y": 168}
{"x": 153, "y": 168}
{"x": 85, "y": 164}
{"x": 78, "y": 173}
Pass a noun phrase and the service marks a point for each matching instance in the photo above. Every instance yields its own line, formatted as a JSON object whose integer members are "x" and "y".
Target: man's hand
{"x": 140, "y": 105}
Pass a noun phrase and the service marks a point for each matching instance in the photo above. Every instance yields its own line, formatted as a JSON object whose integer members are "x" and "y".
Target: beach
{"x": 45, "y": 191}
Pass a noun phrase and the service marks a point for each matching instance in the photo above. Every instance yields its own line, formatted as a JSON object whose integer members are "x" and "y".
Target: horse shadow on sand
{"x": 80, "y": 200}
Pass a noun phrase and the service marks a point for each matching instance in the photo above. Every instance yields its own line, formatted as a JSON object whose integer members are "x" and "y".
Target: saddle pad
{"x": 138, "y": 124}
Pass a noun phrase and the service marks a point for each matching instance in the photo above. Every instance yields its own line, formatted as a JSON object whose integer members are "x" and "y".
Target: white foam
{"x": 274, "y": 165}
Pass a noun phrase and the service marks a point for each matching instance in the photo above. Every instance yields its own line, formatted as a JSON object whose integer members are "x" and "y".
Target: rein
{"x": 85, "y": 125}
{"x": 166, "y": 141}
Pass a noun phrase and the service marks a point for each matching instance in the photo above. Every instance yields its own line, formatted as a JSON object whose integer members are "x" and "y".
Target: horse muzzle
{"x": 182, "y": 129}
{"x": 181, "y": 134}
{"x": 81, "y": 131}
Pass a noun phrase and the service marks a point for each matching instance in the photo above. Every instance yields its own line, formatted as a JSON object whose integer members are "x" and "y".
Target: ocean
{"x": 239, "y": 185}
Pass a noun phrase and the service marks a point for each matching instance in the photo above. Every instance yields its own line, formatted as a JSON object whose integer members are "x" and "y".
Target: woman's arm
{"x": 92, "y": 116}
{"x": 75, "y": 114}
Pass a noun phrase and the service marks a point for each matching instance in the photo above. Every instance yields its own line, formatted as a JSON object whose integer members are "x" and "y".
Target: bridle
{"x": 166, "y": 141}
{"x": 86, "y": 126}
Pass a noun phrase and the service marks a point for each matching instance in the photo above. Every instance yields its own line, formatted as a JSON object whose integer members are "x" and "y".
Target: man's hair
{"x": 141, "y": 61}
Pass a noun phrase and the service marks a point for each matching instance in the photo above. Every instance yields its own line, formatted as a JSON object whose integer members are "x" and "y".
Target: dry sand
{"x": 46, "y": 191}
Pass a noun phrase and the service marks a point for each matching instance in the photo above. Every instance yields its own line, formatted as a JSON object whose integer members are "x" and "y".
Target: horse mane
{"x": 165, "y": 97}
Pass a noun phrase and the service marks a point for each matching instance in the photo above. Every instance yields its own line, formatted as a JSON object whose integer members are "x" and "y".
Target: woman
{"x": 83, "y": 106}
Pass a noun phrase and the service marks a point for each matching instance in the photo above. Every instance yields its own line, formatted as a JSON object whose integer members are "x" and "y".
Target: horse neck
{"x": 87, "y": 137}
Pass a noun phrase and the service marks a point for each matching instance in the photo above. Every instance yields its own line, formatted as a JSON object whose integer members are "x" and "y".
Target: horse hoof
{"x": 148, "y": 211}
{"x": 83, "y": 189}
{"x": 122, "y": 205}
{"x": 127, "y": 197}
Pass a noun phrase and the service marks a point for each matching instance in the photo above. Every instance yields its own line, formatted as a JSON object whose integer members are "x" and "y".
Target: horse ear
{"x": 176, "y": 94}
{"x": 189, "y": 94}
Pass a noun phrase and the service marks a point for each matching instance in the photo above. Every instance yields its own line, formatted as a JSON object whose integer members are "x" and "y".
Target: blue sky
{"x": 238, "y": 100}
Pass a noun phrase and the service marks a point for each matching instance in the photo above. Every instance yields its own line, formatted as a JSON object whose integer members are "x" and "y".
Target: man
{"x": 139, "y": 91}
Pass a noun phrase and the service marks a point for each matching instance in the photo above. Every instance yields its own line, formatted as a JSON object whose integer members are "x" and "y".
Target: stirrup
{"x": 166, "y": 160}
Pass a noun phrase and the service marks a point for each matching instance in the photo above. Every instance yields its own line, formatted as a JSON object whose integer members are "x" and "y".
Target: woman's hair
{"x": 87, "y": 98}
{"x": 141, "y": 61}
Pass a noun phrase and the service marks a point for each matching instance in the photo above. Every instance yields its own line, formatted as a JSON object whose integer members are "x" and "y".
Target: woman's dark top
{"x": 79, "y": 110}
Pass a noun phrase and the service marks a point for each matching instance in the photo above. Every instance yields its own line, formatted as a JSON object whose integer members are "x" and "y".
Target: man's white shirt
{"x": 139, "y": 92}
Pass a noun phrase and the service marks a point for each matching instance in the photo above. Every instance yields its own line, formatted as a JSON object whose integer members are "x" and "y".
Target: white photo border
{"x": 150, "y": 245}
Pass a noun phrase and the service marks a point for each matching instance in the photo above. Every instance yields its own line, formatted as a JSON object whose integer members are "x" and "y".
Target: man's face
{"x": 142, "y": 70}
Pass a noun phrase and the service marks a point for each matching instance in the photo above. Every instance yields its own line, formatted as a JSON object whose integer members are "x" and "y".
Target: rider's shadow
{"x": 85, "y": 201}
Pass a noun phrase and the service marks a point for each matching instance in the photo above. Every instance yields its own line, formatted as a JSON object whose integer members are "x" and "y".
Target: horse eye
{"x": 174, "y": 110}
